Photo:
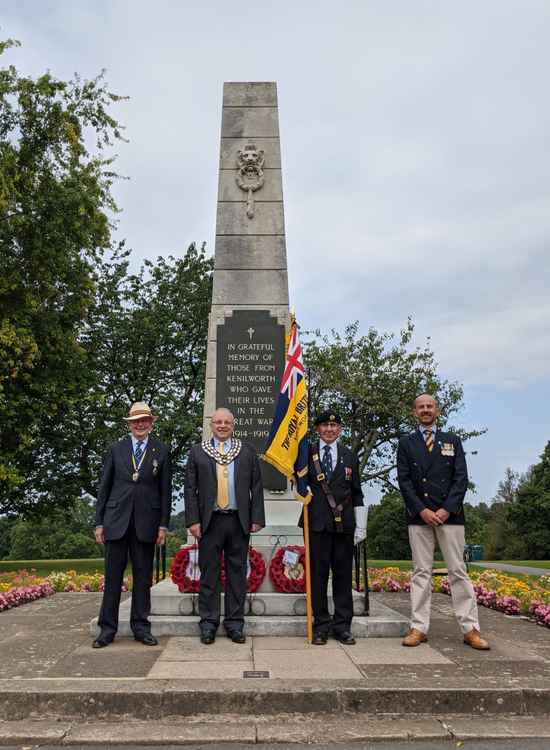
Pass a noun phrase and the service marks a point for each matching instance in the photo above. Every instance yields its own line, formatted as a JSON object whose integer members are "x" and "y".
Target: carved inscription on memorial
{"x": 249, "y": 366}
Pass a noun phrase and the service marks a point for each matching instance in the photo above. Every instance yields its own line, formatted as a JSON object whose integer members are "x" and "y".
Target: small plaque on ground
{"x": 256, "y": 673}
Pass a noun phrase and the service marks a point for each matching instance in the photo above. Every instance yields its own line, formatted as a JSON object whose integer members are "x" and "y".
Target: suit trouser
{"x": 331, "y": 552}
{"x": 450, "y": 538}
{"x": 223, "y": 535}
{"x": 116, "y": 558}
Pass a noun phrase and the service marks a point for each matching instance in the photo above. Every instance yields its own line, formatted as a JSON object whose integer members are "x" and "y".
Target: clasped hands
{"x": 434, "y": 518}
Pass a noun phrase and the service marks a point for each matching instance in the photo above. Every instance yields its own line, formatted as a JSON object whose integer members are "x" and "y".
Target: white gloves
{"x": 360, "y": 524}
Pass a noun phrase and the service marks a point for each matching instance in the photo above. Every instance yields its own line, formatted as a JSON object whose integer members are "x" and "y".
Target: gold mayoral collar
{"x": 223, "y": 458}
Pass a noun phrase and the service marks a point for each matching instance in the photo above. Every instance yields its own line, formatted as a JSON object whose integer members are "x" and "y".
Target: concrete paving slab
{"x": 390, "y": 651}
{"x": 32, "y": 732}
{"x": 200, "y": 670}
{"x": 160, "y": 733}
{"x": 348, "y": 729}
{"x": 311, "y": 664}
{"x": 112, "y": 661}
{"x": 191, "y": 649}
{"x": 286, "y": 643}
{"x": 488, "y": 728}
{"x": 416, "y": 676}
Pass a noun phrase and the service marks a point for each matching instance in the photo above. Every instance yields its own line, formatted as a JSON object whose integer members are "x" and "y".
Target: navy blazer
{"x": 150, "y": 499}
{"x": 432, "y": 480}
{"x": 201, "y": 488}
{"x": 345, "y": 484}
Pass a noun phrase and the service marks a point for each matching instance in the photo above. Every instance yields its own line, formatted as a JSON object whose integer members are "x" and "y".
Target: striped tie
{"x": 221, "y": 475}
{"x": 138, "y": 453}
{"x": 429, "y": 438}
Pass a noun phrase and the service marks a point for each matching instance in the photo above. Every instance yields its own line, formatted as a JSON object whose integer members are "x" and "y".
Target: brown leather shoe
{"x": 474, "y": 640}
{"x": 414, "y": 638}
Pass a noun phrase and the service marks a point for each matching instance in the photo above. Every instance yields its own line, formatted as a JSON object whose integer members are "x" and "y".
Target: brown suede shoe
{"x": 414, "y": 638}
{"x": 474, "y": 640}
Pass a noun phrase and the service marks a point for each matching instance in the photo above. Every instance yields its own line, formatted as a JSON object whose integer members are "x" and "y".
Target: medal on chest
{"x": 137, "y": 467}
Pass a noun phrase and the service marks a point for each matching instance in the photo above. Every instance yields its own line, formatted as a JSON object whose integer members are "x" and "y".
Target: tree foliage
{"x": 529, "y": 515}
{"x": 372, "y": 380}
{"x": 55, "y": 203}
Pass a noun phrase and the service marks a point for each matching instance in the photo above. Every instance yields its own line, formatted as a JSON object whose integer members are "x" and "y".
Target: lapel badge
{"x": 155, "y": 467}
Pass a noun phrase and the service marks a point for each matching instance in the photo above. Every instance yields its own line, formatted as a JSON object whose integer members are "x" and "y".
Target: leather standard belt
{"x": 335, "y": 507}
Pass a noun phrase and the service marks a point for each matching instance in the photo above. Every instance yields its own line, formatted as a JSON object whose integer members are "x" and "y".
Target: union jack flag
{"x": 294, "y": 367}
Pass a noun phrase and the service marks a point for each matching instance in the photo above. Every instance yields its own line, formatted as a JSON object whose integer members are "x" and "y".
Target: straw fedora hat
{"x": 139, "y": 410}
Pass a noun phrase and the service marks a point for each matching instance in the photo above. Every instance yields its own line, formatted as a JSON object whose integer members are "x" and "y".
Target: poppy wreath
{"x": 255, "y": 570}
{"x": 185, "y": 571}
{"x": 288, "y": 579}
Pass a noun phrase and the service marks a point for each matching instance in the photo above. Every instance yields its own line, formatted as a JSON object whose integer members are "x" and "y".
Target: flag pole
{"x": 309, "y": 609}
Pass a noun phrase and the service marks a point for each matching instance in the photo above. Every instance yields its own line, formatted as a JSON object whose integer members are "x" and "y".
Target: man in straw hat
{"x": 132, "y": 514}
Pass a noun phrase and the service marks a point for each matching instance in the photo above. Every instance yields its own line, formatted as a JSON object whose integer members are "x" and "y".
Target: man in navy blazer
{"x": 433, "y": 479}
{"x": 132, "y": 515}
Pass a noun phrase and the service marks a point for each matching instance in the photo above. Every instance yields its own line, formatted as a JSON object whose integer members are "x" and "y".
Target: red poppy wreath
{"x": 287, "y": 578}
{"x": 185, "y": 571}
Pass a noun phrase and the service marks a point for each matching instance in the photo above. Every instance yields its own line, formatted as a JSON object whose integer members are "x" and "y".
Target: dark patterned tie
{"x": 138, "y": 453}
{"x": 327, "y": 461}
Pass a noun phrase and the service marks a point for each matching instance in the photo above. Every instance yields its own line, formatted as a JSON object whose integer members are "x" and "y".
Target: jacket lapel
{"x": 339, "y": 468}
{"x": 128, "y": 451}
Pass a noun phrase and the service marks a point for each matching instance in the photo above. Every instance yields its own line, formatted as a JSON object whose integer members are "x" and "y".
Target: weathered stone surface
{"x": 232, "y": 219}
{"x": 250, "y": 252}
{"x": 159, "y": 733}
{"x": 231, "y": 669}
{"x": 250, "y": 94}
{"x": 250, "y": 122}
{"x": 347, "y": 729}
{"x": 32, "y": 732}
{"x": 230, "y": 147}
{"x": 294, "y": 664}
{"x": 271, "y": 190}
{"x": 251, "y": 287}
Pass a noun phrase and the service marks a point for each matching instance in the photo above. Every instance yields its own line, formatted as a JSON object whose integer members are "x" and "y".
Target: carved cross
{"x": 251, "y": 332}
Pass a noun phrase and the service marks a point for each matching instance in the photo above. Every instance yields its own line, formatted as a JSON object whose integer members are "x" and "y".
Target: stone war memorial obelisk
{"x": 249, "y": 319}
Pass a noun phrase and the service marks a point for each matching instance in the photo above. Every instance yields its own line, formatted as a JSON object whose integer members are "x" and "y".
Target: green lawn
{"x": 528, "y": 563}
{"x": 45, "y": 567}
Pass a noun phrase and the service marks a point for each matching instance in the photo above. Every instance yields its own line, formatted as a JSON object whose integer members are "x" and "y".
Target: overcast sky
{"x": 416, "y": 166}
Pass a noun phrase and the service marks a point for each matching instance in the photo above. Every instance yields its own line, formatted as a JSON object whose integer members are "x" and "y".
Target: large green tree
{"x": 55, "y": 204}
{"x": 372, "y": 379}
{"x": 529, "y": 515}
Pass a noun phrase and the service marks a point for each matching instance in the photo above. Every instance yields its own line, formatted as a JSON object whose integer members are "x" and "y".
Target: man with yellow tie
{"x": 224, "y": 504}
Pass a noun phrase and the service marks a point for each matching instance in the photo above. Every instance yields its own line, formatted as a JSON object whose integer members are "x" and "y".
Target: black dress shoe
{"x": 345, "y": 637}
{"x": 102, "y": 642}
{"x": 237, "y": 636}
{"x": 319, "y": 639}
{"x": 208, "y": 637}
{"x": 147, "y": 639}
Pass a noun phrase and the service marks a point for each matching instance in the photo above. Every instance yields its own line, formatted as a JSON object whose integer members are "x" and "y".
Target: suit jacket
{"x": 201, "y": 488}
{"x": 150, "y": 499}
{"x": 432, "y": 480}
{"x": 345, "y": 484}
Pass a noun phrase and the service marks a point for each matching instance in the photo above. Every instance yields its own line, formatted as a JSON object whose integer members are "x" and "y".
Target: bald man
{"x": 224, "y": 504}
{"x": 433, "y": 479}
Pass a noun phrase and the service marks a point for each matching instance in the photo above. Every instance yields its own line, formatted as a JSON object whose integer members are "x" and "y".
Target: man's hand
{"x": 255, "y": 527}
{"x": 161, "y": 538}
{"x": 99, "y": 535}
{"x": 195, "y": 529}
{"x": 431, "y": 518}
{"x": 442, "y": 514}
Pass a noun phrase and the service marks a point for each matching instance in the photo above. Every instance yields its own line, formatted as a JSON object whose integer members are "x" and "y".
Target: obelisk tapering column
{"x": 250, "y": 307}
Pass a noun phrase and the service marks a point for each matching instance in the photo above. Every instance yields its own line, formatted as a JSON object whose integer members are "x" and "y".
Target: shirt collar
{"x": 424, "y": 430}
{"x": 217, "y": 442}
{"x": 135, "y": 441}
{"x": 332, "y": 446}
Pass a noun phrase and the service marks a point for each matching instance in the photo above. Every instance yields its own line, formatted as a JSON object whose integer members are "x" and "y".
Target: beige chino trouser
{"x": 451, "y": 543}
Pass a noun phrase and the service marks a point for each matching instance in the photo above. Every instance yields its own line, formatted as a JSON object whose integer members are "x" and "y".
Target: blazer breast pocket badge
{"x": 447, "y": 449}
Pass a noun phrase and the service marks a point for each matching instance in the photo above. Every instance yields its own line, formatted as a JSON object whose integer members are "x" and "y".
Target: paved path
{"x": 48, "y": 668}
{"x": 507, "y": 568}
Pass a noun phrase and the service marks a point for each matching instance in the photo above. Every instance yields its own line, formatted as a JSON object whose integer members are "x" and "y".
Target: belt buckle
{"x": 321, "y": 477}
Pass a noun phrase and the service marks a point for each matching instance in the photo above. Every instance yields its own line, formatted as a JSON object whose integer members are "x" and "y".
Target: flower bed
{"x": 18, "y": 595}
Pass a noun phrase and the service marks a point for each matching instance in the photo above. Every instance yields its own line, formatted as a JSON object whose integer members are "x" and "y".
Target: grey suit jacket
{"x": 201, "y": 488}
